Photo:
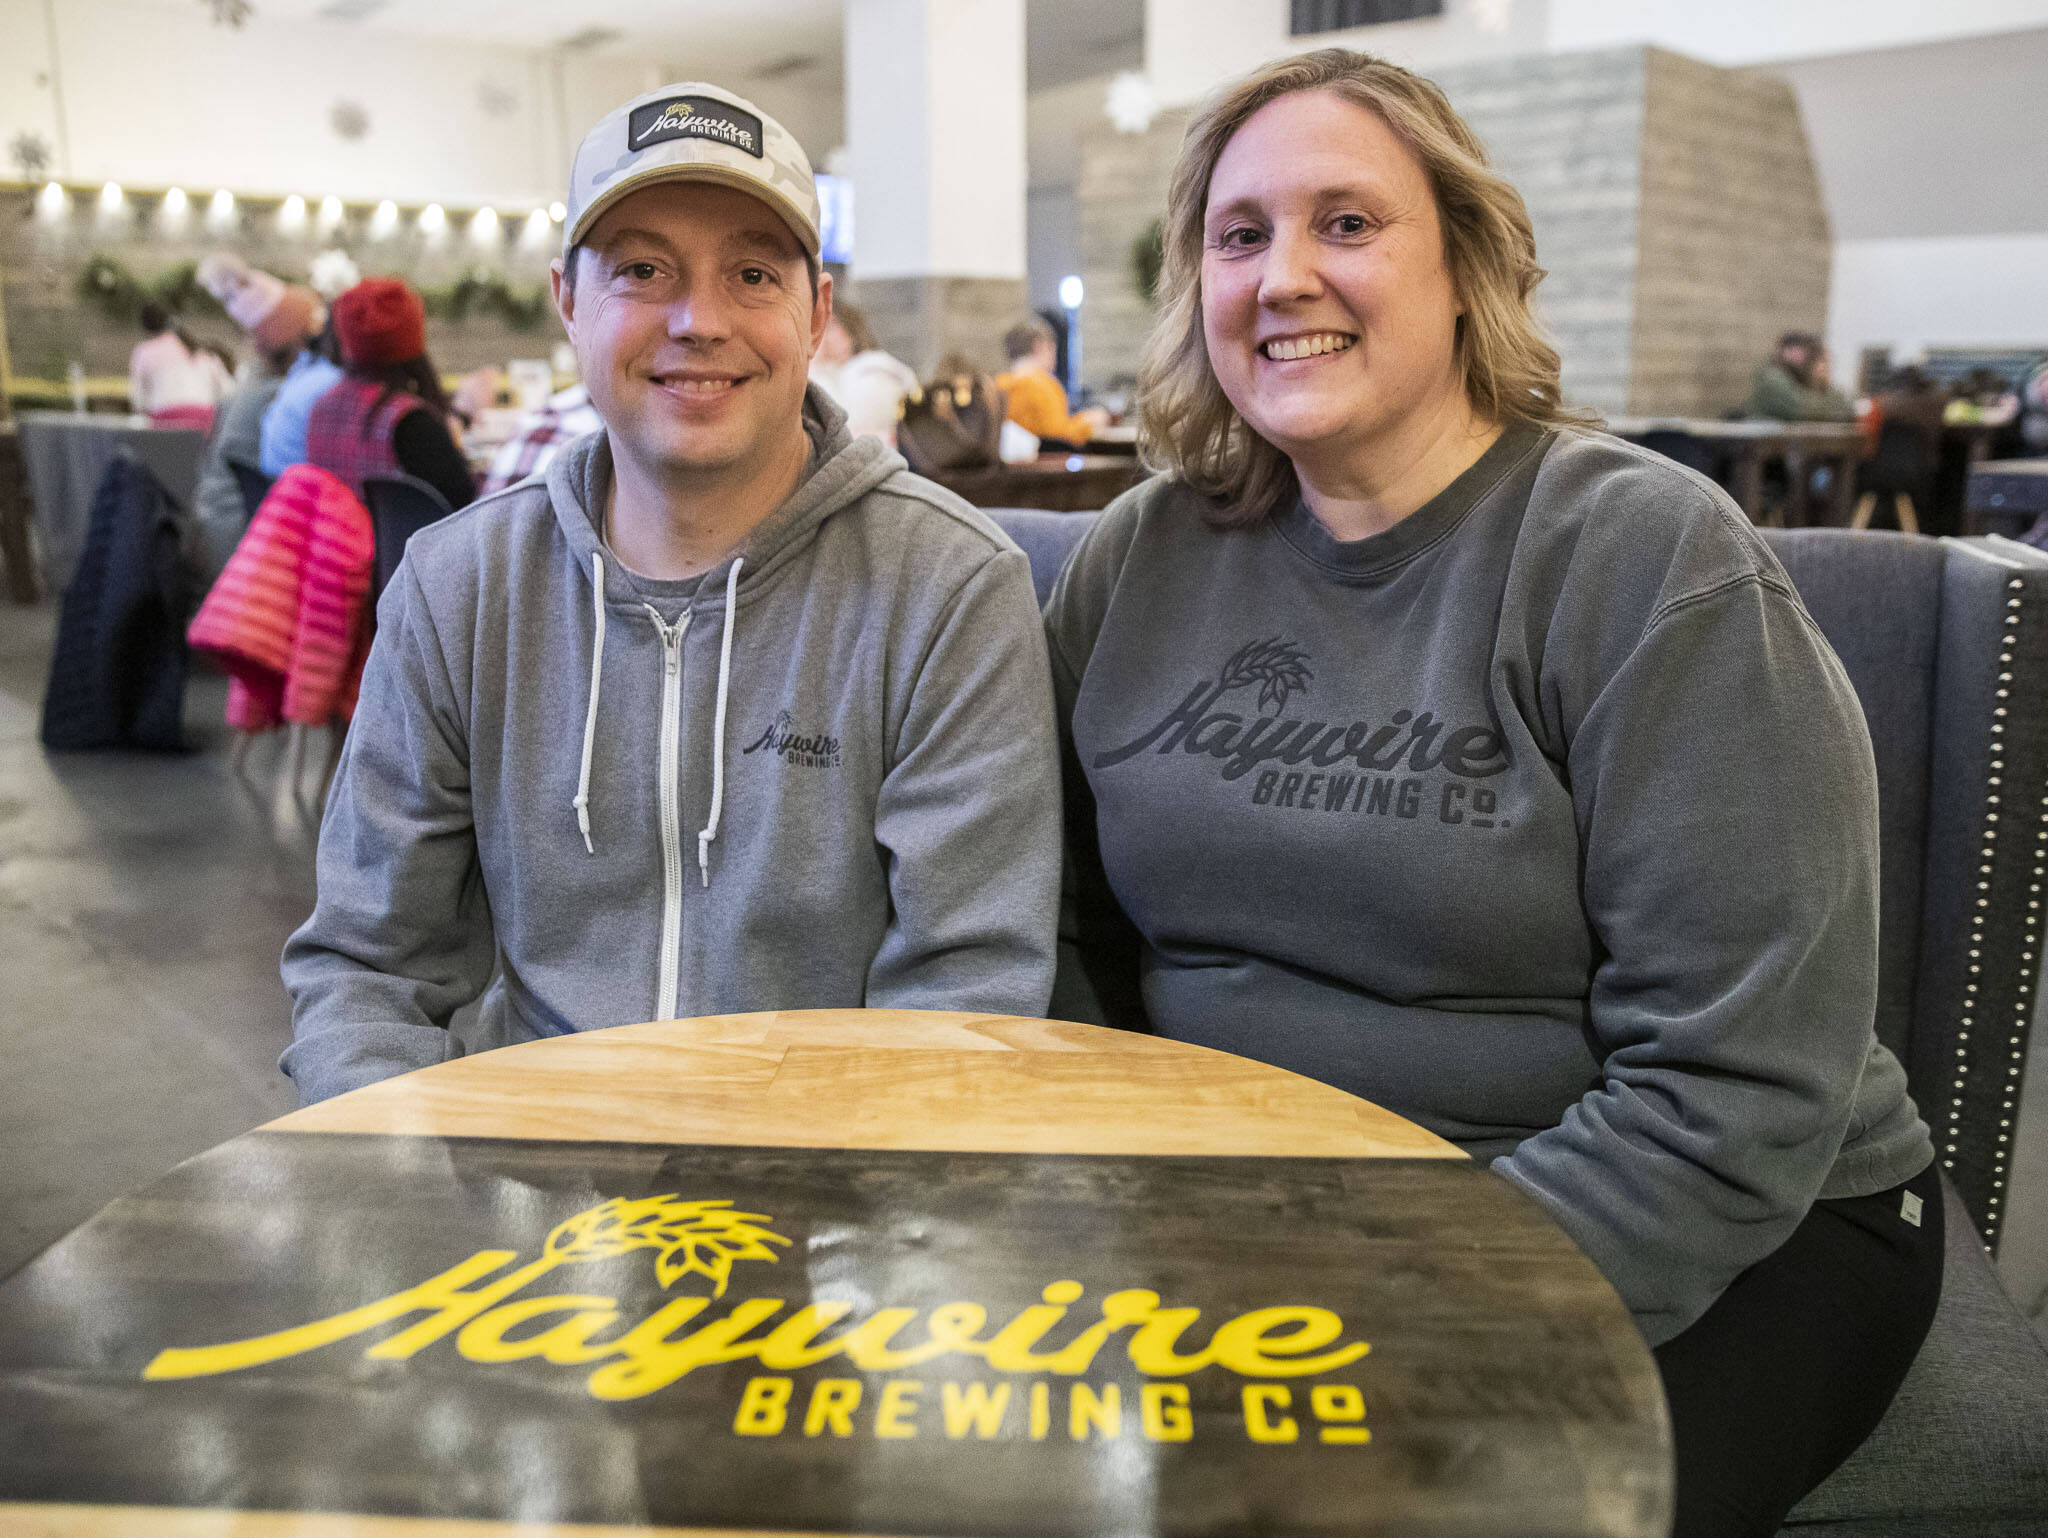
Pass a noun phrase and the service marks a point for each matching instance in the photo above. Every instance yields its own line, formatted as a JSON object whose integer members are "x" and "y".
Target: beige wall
{"x": 1732, "y": 244}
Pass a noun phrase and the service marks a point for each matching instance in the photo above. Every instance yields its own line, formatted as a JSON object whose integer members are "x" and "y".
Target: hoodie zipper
{"x": 671, "y": 811}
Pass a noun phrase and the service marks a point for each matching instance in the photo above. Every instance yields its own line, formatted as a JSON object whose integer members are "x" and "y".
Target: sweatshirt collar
{"x": 841, "y": 471}
{"x": 1421, "y": 529}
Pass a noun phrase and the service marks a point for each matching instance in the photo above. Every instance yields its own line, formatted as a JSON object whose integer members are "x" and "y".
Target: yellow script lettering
{"x": 794, "y": 1342}
{"x": 652, "y": 1361}
{"x": 764, "y": 1407}
{"x": 565, "y": 1344}
{"x": 1009, "y": 1349}
{"x": 972, "y": 1406}
{"x": 833, "y": 1402}
{"x": 1344, "y": 1404}
{"x": 1103, "y": 1411}
{"x": 442, "y": 1296}
{"x": 898, "y": 1405}
{"x": 1257, "y": 1426}
{"x": 1163, "y": 1407}
{"x": 1247, "y": 1344}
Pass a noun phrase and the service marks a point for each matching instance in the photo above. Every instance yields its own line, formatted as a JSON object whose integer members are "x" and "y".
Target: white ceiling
{"x": 721, "y": 28}
{"x": 1068, "y": 39}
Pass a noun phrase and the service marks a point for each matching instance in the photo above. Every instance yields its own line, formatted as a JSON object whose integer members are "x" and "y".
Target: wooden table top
{"x": 282, "y": 1338}
{"x": 880, "y": 1079}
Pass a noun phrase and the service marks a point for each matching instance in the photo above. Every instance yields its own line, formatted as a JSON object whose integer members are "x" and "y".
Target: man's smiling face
{"x": 693, "y": 319}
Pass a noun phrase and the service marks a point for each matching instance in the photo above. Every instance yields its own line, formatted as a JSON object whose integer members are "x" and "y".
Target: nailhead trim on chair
{"x": 2015, "y": 1054}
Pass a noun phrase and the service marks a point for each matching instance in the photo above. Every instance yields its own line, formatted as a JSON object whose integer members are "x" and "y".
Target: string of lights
{"x": 295, "y": 213}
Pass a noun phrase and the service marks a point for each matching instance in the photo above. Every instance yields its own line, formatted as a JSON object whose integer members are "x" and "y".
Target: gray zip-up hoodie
{"x": 823, "y": 774}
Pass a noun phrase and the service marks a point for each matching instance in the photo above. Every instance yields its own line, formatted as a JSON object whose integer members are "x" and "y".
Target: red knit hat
{"x": 380, "y": 320}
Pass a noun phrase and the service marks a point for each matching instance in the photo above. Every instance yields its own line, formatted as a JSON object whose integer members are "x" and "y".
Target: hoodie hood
{"x": 842, "y": 470}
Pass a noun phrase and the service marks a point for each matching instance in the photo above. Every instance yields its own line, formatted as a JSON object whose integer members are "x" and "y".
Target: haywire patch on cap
{"x": 692, "y": 132}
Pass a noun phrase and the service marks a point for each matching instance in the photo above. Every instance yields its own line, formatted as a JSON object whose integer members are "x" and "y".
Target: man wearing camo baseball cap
{"x": 726, "y": 712}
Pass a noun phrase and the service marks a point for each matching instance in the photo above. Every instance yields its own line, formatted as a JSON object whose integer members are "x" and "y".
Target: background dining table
{"x": 1398, "y": 1340}
{"x": 1060, "y": 483}
{"x": 64, "y": 454}
{"x": 1749, "y": 445}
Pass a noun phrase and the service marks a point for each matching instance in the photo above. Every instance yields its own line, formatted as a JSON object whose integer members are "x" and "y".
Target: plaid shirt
{"x": 527, "y": 452}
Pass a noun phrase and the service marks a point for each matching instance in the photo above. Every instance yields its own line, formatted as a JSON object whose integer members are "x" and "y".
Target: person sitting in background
{"x": 2033, "y": 422}
{"x": 1795, "y": 385}
{"x": 170, "y": 380}
{"x": 1038, "y": 401}
{"x": 568, "y": 415}
{"x": 1911, "y": 397}
{"x": 313, "y": 373}
{"x": 279, "y": 318}
{"x": 867, "y": 383}
{"x": 388, "y": 414}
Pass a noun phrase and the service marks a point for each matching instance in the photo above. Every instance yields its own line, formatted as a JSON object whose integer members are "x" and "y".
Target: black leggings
{"x": 1795, "y": 1363}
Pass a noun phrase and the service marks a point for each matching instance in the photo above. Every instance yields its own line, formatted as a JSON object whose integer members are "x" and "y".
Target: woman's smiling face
{"x": 1327, "y": 306}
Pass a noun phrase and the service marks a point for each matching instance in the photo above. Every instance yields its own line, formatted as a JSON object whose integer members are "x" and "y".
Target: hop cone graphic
{"x": 1278, "y": 667}
{"x": 704, "y": 1237}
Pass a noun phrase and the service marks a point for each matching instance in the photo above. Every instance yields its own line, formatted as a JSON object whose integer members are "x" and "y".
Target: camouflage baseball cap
{"x": 692, "y": 132}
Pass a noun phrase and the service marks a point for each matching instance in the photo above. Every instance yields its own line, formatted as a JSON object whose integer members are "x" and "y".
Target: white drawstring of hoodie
{"x": 709, "y": 831}
{"x": 582, "y": 802}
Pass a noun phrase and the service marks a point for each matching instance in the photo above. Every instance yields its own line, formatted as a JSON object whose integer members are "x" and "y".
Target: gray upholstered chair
{"x": 1946, "y": 642}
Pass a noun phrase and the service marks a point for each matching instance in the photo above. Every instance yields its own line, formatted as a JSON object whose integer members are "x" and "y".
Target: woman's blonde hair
{"x": 1187, "y": 423}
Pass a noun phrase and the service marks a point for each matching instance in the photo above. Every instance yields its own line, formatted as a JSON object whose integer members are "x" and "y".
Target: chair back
{"x": 1905, "y": 459}
{"x": 400, "y": 506}
{"x": 1946, "y": 643}
{"x": 254, "y": 484}
{"x": 1047, "y": 539}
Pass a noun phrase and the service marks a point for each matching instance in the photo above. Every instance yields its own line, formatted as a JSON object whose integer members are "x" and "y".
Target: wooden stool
{"x": 1902, "y": 507}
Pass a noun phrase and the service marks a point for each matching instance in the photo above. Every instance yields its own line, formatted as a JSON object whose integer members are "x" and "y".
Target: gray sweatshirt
{"x": 1546, "y": 818}
{"x": 823, "y": 774}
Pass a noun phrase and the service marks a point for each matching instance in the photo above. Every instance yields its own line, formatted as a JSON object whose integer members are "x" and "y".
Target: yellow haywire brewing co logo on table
{"x": 707, "y": 1238}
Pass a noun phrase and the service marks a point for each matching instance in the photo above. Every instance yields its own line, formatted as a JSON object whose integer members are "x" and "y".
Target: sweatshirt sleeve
{"x": 1726, "y": 796}
{"x": 400, "y": 937}
{"x": 968, "y": 815}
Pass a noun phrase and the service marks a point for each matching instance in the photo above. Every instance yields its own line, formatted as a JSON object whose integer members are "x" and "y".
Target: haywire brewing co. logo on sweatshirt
{"x": 1363, "y": 766}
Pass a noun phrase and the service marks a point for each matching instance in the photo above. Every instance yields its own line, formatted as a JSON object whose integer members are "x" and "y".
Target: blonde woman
{"x": 1426, "y": 742}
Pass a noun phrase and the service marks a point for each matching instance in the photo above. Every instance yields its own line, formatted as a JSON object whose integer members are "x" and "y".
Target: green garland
{"x": 483, "y": 290}
{"x": 120, "y": 294}
{"x": 109, "y": 286}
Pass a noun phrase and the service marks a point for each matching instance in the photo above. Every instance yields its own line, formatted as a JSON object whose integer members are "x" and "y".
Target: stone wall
{"x": 1566, "y": 130}
{"x": 1121, "y": 191}
{"x": 921, "y": 320}
{"x": 1733, "y": 244}
{"x": 1675, "y": 207}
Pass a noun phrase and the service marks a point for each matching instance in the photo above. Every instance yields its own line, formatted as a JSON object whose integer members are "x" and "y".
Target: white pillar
{"x": 935, "y": 148}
